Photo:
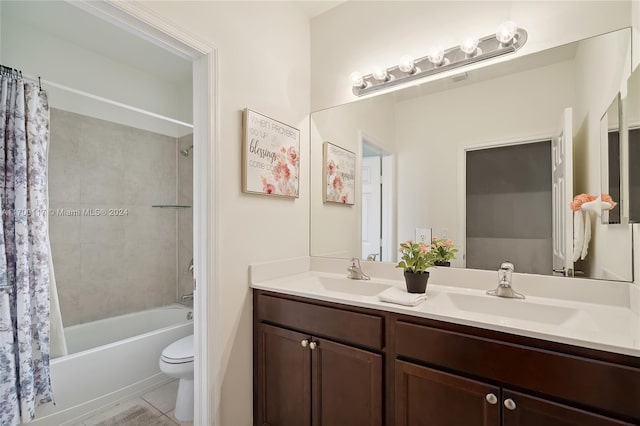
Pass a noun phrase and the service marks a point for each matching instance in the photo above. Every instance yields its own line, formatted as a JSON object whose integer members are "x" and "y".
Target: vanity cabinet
{"x": 309, "y": 370}
{"x": 451, "y": 355}
{"x": 429, "y": 397}
{"x": 321, "y": 363}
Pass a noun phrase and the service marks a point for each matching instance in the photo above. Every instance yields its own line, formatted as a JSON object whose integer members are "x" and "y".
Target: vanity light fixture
{"x": 470, "y": 47}
{"x": 508, "y": 38}
{"x": 380, "y": 74}
{"x": 506, "y": 32}
{"x": 357, "y": 80}
{"x": 437, "y": 58}
{"x": 407, "y": 65}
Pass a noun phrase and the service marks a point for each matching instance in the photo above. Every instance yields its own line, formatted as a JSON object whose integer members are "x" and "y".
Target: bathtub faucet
{"x": 186, "y": 298}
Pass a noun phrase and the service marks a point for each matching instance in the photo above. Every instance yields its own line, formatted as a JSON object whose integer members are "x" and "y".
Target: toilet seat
{"x": 179, "y": 352}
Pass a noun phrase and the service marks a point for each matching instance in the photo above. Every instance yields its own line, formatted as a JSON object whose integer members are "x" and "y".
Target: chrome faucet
{"x": 355, "y": 271}
{"x": 190, "y": 267}
{"x": 504, "y": 288}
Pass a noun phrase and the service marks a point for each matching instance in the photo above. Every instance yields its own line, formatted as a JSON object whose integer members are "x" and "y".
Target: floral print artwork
{"x": 271, "y": 156}
{"x": 24, "y": 251}
{"x": 284, "y": 176}
{"x": 339, "y": 175}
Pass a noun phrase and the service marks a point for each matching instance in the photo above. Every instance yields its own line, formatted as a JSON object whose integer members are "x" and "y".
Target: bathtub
{"x": 112, "y": 359}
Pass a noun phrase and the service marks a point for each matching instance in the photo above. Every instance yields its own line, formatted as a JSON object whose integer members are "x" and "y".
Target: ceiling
{"x": 65, "y": 21}
{"x": 311, "y": 9}
{"x": 72, "y": 24}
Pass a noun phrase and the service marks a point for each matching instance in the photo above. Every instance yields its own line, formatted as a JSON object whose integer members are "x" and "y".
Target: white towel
{"x": 402, "y": 297}
{"x": 581, "y": 234}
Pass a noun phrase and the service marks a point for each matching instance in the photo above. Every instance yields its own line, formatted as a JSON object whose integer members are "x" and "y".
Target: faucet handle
{"x": 507, "y": 266}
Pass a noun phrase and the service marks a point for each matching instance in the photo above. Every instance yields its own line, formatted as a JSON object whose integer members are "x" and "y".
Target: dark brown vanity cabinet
{"x": 320, "y": 363}
{"x": 428, "y": 397}
{"x": 454, "y": 357}
{"x": 306, "y": 378}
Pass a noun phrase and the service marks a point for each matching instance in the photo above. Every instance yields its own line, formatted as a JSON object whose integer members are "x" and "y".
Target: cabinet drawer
{"x": 609, "y": 387}
{"x": 346, "y": 326}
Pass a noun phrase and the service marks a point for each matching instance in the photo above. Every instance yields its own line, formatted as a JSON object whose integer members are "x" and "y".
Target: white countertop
{"x": 607, "y": 327}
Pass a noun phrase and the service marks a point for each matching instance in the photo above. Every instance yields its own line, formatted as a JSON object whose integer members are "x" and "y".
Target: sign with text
{"x": 271, "y": 156}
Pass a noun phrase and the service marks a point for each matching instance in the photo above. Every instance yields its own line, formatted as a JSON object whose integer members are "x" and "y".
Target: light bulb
{"x": 380, "y": 74}
{"x": 506, "y": 32}
{"x": 436, "y": 56}
{"x": 407, "y": 64}
{"x": 356, "y": 79}
{"x": 469, "y": 46}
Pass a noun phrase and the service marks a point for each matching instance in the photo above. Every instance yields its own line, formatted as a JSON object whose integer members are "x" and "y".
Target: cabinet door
{"x": 283, "y": 378}
{"x": 428, "y": 397}
{"x": 347, "y": 386}
{"x": 524, "y": 410}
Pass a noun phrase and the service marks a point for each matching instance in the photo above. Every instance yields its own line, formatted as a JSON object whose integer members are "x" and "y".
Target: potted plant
{"x": 415, "y": 260}
{"x": 444, "y": 251}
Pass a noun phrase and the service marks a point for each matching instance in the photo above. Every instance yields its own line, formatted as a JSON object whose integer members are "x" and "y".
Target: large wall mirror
{"x": 474, "y": 159}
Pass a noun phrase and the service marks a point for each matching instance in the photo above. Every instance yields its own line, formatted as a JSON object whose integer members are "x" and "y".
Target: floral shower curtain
{"x": 24, "y": 250}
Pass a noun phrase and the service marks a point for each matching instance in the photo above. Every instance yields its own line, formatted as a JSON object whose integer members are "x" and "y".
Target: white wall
{"x": 603, "y": 66}
{"x": 264, "y": 57}
{"x": 359, "y": 35}
{"x": 635, "y": 21}
{"x": 38, "y": 53}
{"x": 345, "y": 126}
{"x": 432, "y": 131}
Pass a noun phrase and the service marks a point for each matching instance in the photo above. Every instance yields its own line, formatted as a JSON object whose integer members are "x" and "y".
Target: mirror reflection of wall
{"x": 428, "y": 128}
{"x": 632, "y": 112}
{"x": 610, "y": 160}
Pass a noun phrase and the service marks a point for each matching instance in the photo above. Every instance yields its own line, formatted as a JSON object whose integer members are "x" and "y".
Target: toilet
{"x": 177, "y": 361}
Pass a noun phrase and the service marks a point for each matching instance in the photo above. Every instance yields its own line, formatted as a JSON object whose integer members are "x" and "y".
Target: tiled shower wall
{"x": 112, "y": 252}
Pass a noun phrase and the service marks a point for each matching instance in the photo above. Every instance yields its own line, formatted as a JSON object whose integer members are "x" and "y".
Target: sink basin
{"x": 512, "y": 308}
{"x": 353, "y": 287}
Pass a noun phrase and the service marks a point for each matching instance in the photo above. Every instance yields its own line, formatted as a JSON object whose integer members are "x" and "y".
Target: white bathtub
{"x": 112, "y": 359}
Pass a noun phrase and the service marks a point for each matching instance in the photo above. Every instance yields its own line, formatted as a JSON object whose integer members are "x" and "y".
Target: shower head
{"x": 185, "y": 152}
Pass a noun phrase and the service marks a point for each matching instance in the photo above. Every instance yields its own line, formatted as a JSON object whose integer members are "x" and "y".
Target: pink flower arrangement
{"x": 416, "y": 257}
{"x": 443, "y": 249}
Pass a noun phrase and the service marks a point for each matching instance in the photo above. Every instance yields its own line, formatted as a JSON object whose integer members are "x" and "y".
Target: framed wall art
{"x": 270, "y": 156}
{"x": 338, "y": 175}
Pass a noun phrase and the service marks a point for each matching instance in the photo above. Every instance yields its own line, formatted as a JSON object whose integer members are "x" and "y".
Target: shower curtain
{"x": 24, "y": 250}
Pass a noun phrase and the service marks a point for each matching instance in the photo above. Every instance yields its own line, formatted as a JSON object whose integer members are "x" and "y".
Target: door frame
{"x": 137, "y": 19}
{"x": 387, "y": 197}
{"x": 462, "y": 178}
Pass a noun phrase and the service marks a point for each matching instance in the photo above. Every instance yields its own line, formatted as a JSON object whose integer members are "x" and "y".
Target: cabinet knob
{"x": 491, "y": 399}
{"x": 304, "y": 343}
{"x": 313, "y": 345}
{"x": 510, "y": 404}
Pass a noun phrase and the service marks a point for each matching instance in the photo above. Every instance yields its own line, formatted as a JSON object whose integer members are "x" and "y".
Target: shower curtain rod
{"x": 108, "y": 101}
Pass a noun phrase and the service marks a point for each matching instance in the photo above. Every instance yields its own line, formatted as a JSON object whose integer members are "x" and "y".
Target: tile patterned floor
{"x": 155, "y": 408}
